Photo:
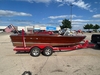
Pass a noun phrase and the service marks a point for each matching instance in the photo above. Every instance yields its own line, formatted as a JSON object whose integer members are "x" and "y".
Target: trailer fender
{"x": 41, "y": 46}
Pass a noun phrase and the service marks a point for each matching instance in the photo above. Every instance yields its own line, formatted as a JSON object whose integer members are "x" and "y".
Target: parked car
{"x": 95, "y": 38}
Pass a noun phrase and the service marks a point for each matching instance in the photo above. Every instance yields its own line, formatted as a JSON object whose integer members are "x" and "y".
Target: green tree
{"x": 91, "y": 26}
{"x": 88, "y": 26}
{"x": 66, "y": 24}
{"x": 96, "y": 27}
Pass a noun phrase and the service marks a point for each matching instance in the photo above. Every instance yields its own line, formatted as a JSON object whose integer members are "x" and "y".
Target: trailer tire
{"x": 47, "y": 51}
{"x": 35, "y": 51}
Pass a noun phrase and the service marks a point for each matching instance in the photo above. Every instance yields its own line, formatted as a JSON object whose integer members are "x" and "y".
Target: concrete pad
{"x": 77, "y": 62}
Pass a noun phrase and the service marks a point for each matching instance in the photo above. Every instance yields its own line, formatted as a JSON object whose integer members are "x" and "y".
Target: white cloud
{"x": 79, "y": 3}
{"x": 58, "y": 0}
{"x": 82, "y": 4}
{"x": 70, "y": 1}
{"x": 9, "y": 13}
{"x": 63, "y": 16}
{"x": 95, "y": 2}
{"x": 16, "y": 23}
{"x": 86, "y": 21}
{"x": 96, "y": 16}
{"x": 37, "y": 1}
{"x": 80, "y": 20}
{"x": 77, "y": 21}
{"x": 43, "y": 1}
{"x": 61, "y": 4}
{"x": 56, "y": 17}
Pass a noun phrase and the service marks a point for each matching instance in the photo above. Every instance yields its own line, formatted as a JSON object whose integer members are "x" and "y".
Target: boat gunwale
{"x": 50, "y": 35}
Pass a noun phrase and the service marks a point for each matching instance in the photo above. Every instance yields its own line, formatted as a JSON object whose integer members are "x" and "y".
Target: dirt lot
{"x": 77, "y": 62}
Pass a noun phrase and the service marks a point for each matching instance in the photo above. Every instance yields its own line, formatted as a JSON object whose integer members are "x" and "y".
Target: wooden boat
{"x": 53, "y": 40}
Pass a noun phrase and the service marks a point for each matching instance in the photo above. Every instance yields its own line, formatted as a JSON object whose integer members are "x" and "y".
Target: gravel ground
{"x": 77, "y": 62}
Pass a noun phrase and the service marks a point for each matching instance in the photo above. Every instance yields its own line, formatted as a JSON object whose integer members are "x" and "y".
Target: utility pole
{"x": 71, "y": 13}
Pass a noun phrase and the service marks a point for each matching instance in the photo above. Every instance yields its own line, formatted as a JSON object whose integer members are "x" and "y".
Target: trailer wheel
{"x": 35, "y": 51}
{"x": 47, "y": 51}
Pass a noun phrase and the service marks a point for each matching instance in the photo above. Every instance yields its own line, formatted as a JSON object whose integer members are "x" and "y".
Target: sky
{"x": 49, "y": 12}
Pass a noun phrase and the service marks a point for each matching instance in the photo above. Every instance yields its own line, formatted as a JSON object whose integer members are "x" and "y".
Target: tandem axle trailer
{"x": 47, "y": 49}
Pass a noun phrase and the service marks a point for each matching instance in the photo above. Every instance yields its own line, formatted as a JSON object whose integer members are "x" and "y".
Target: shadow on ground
{"x": 96, "y": 47}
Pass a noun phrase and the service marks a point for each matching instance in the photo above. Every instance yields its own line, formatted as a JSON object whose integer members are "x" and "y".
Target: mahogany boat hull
{"x": 52, "y": 40}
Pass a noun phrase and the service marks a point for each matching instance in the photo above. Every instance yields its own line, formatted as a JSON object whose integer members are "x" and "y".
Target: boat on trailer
{"x": 46, "y": 38}
{"x": 46, "y": 43}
